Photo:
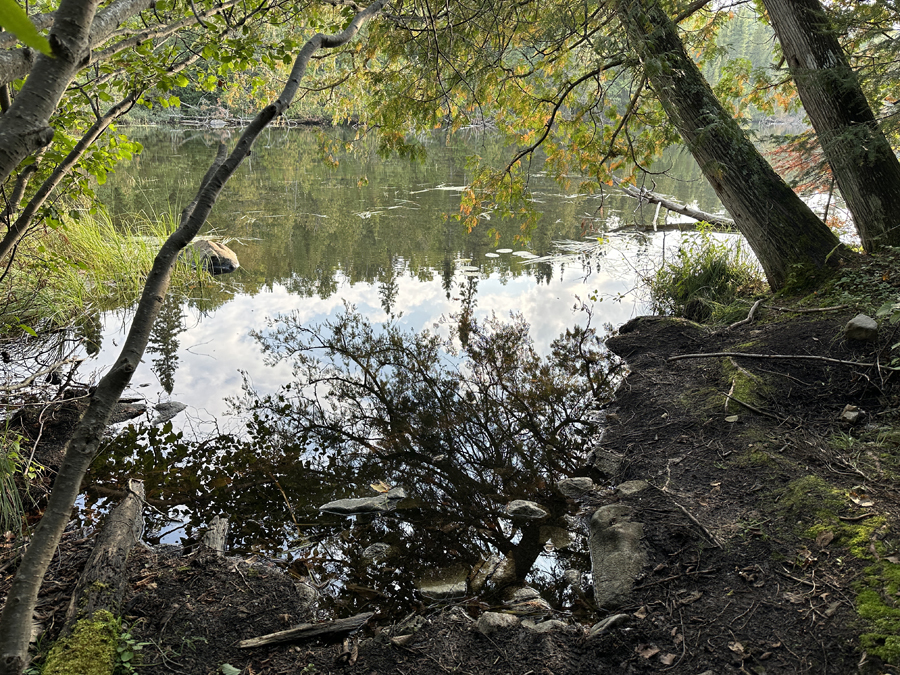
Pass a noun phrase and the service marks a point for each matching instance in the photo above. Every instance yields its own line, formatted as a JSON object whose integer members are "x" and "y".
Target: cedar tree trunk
{"x": 780, "y": 228}
{"x": 864, "y": 165}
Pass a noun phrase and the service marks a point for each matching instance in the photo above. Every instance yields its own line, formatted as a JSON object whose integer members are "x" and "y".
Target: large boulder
{"x": 212, "y": 256}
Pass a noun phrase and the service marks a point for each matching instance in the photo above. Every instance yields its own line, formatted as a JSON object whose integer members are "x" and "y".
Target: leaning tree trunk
{"x": 780, "y": 228}
{"x": 864, "y": 165}
{"x": 82, "y": 447}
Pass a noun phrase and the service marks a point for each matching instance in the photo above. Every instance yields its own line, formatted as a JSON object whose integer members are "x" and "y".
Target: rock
{"x": 607, "y": 463}
{"x": 616, "y": 554}
{"x": 490, "y": 623}
{"x": 544, "y": 626}
{"x": 526, "y": 600}
{"x": 559, "y": 537}
{"x": 483, "y": 572}
{"x": 632, "y": 487}
{"x": 377, "y": 552}
{"x": 850, "y": 414}
{"x": 212, "y": 256}
{"x": 575, "y": 487}
{"x": 444, "y": 583}
{"x": 610, "y": 622}
{"x": 862, "y": 327}
{"x": 387, "y": 501}
{"x": 522, "y": 594}
{"x": 166, "y": 411}
{"x": 521, "y": 508}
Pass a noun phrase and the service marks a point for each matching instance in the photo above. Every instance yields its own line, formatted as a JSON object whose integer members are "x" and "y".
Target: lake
{"x": 317, "y": 232}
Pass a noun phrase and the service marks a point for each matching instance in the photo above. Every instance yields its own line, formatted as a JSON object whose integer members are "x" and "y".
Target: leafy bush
{"x": 707, "y": 274}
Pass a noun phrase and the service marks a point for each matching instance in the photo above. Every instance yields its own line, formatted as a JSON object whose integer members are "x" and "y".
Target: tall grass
{"x": 708, "y": 273}
{"x": 87, "y": 264}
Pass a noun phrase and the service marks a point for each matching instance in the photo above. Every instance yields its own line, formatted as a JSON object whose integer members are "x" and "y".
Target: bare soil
{"x": 758, "y": 524}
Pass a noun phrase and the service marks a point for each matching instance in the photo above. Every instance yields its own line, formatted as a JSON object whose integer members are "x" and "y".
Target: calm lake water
{"x": 315, "y": 233}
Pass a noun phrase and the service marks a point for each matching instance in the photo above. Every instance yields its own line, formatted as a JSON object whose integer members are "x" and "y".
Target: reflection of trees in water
{"x": 464, "y": 432}
{"x": 164, "y": 340}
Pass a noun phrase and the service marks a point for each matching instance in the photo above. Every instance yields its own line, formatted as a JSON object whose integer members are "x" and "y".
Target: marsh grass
{"x": 87, "y": 264}
{"x": 705, "y": 277}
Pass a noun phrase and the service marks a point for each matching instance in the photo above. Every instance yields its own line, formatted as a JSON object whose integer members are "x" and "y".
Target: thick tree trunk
{"x": 864, "y": 165}
{"x": 780, "y": 228}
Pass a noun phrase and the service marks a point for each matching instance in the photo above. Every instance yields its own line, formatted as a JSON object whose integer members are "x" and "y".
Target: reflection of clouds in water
{"x": 217, "y": 345}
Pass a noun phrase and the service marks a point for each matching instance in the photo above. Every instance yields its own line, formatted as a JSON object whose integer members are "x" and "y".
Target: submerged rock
{"x": 377, "y": 552}
{"x": 446, "y": 583}
{"x": 575, "y": 487}
{"x": 212, "y": 256}
{"x": 166, "y": 411}
{"x": 386, "y": 501}
{"x": 521, "y": 508}
{"x": 616, "y": 554}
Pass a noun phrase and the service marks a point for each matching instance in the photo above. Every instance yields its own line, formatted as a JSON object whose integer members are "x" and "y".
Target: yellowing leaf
{"x": 14, "y": 19}
{"x": 380, "y": 486}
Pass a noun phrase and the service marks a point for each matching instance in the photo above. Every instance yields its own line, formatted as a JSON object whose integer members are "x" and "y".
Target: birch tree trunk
{"x": 24, "y": 127}
{"x": 780, "y": 228}
{"x": 864, "y": 165}
{"x": 15, "y": 621}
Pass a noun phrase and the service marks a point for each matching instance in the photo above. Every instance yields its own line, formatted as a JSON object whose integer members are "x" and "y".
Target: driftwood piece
{"x": 216, "y": 535}
{"x": 305, "y": 631}
{"x": 642, "y": 194}
{"x": 102, "y": 583}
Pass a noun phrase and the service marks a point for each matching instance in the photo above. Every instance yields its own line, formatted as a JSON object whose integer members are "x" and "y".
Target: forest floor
{"x": 769, "y": 526}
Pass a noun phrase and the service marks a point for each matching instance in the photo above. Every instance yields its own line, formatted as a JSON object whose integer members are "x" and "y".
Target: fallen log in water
{"x": 332, "y": 629}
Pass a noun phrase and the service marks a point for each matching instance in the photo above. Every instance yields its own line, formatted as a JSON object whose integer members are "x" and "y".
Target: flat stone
{"x": 617, "y": 556}
{"x": 386, "y": 501}
{"x": 862, "y": 327}
{"x": 575, "y": 487}
{"x": 632, "y": 487}
{"x": 490, "y": 623}
{"x": 521, "y": 508}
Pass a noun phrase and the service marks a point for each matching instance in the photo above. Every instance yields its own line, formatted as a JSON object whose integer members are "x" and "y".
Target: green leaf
{"x": 28, "y": 329}
{"x": 14, "y": 19}
{"x": 228, "y": 669}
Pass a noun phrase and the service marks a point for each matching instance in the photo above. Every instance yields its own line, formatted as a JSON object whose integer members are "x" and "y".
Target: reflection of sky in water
{"x": 216, "y": 346}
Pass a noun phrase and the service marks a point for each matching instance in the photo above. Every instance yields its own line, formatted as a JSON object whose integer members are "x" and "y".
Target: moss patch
{"x": 879, "y": 603}
{"x": 809, "y": 501}
{"x": 90, "y": 650}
